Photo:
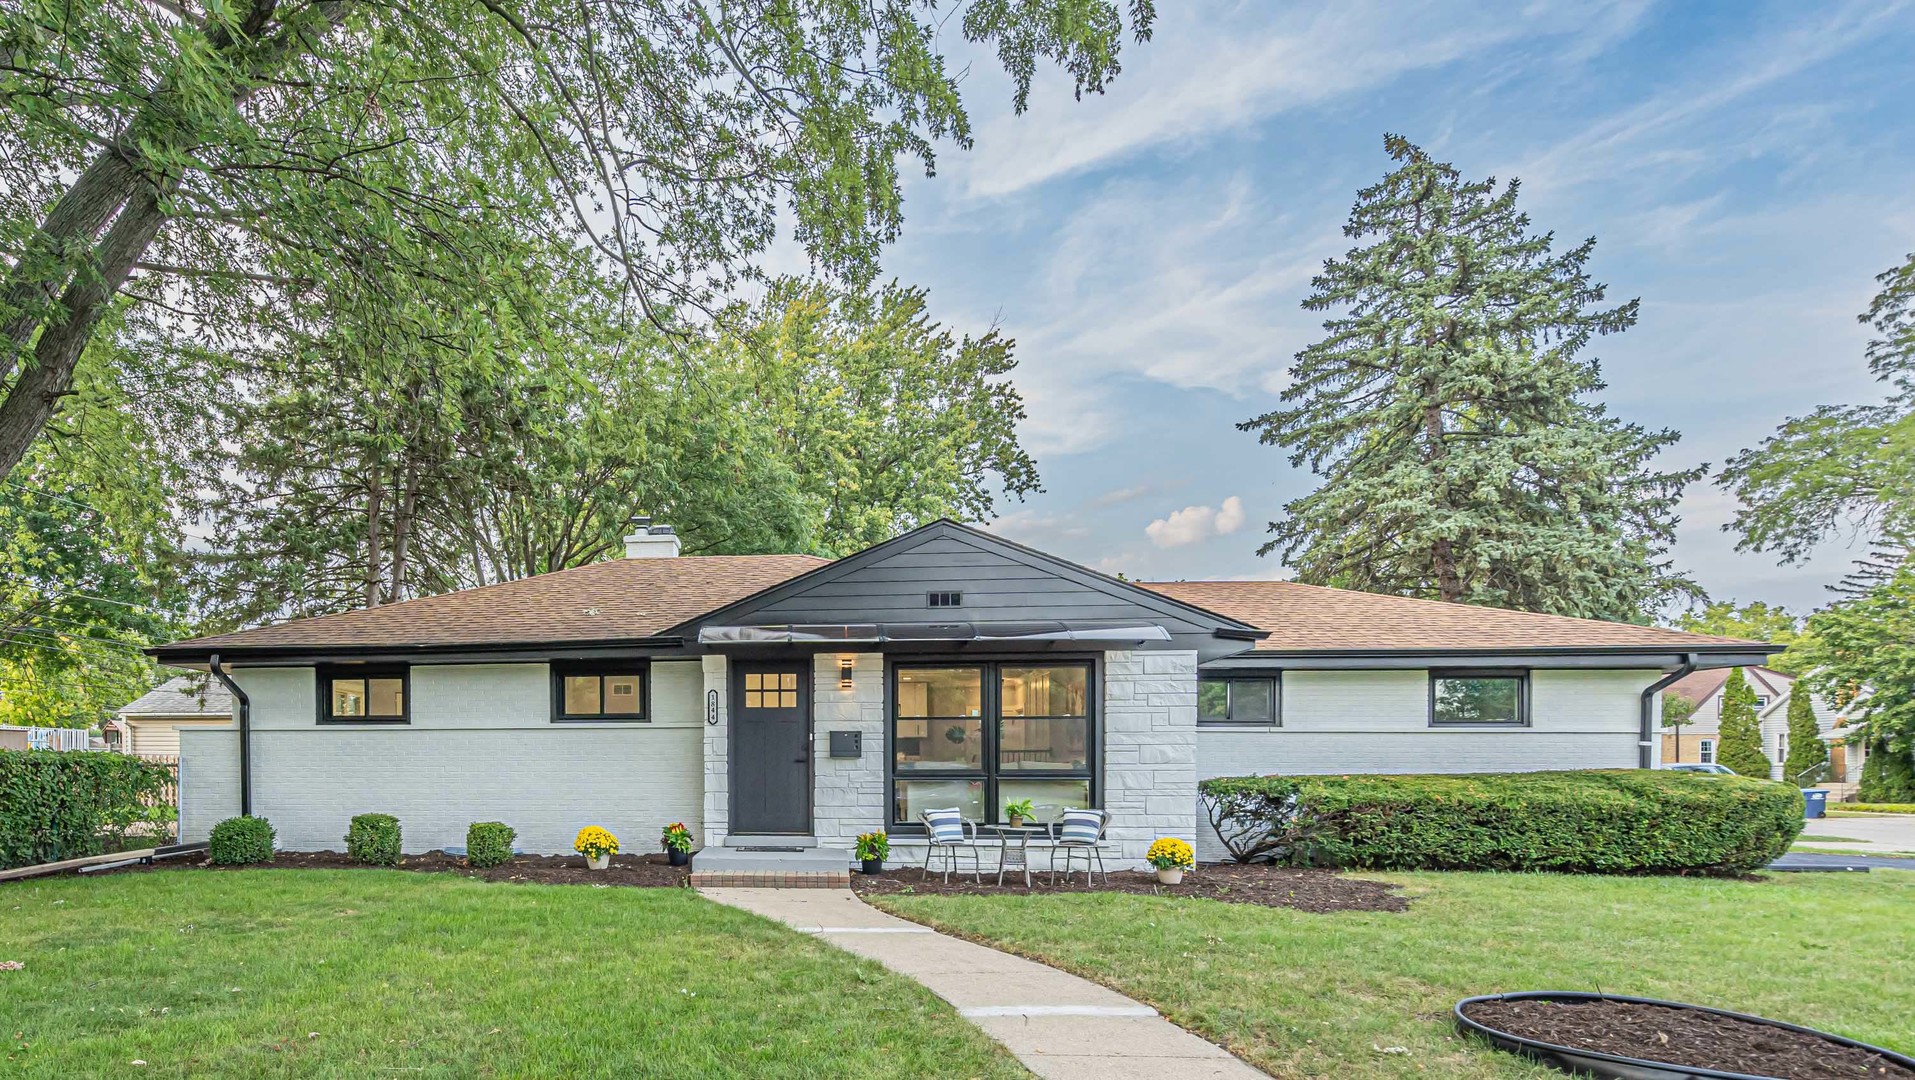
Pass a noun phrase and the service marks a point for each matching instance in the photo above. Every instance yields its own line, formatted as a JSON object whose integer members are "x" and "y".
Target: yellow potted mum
{"x": 1171, "y": 857}
{"x": 597, "y": 845}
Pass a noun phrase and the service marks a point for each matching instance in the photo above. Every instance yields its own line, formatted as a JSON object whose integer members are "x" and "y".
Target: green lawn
{"x": 1323, "y": 995}
{"x": 386, "y": 973}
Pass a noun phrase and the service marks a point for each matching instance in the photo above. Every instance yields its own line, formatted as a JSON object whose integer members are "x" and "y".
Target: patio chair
{"x": 950, "y": 837}
{"x": 1081, "y": 832}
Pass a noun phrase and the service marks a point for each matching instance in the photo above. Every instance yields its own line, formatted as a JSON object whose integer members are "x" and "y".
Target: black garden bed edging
{"x": 1585, "y": 1062}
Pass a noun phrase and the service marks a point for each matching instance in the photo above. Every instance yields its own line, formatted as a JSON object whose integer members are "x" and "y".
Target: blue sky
{"x": 1745, "y": 167}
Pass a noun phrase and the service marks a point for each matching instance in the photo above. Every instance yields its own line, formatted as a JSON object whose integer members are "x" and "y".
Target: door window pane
{"x": 917, "y": 796}
{"x": 1478, "y": 700}
{"x": 940, "y": 692}
{"x": 1049, "y": 798}
{"x": 1045, "y": 691}
{"x": 581, "y": 695}
{"x": 349, "y": 697}
{"x": 932, "y": 744}
{"x": 1043, "y": 743}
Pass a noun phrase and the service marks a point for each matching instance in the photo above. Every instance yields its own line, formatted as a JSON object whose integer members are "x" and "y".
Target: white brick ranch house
{"x": 784, "y": 699}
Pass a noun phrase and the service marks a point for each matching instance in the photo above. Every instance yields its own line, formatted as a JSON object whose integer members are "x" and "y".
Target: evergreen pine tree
{"x": 1449, "y": 413}
{"x": 1739, "y": 744}
{"x": 1806, "y": 748}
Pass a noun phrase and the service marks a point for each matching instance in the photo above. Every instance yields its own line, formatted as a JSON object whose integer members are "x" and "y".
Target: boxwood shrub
{"x": 238, "y": 841}
{"x": 1625, "y": 821}
{"x": 488, "y": 843}
{"x": 373, "y": 839}
{"x": 57, "y": 806}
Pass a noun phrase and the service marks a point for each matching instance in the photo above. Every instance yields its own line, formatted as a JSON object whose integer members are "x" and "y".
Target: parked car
{"x": 1711, "y": 769}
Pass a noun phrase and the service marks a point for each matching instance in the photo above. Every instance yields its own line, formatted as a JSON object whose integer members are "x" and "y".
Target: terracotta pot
{"x": 597, "y": 862}
{"x": 1017, "y": 821}
{"x": 1172, "y": 876}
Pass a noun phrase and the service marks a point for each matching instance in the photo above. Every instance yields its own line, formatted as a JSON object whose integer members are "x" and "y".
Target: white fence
{"x": 43, "y": 738}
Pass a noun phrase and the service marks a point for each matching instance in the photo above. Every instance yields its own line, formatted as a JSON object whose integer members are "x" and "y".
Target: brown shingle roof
{"x": 1311, "y": 617}
{"x": 618, "y": 598}
{"x": 1698, "y": 686}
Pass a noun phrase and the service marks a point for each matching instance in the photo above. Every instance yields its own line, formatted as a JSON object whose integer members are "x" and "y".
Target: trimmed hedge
{"x": 1872, "y": 808}
{"x": 238, "y": 841}
{"x": 1625, "y": 821}
{"x": 373, "y": 839}
{"x": 488, "y": 843}
{"x": 57, "y": 805}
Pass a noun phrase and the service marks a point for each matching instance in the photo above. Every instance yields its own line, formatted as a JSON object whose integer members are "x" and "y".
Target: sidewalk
{"x": 1058, "y": 1025}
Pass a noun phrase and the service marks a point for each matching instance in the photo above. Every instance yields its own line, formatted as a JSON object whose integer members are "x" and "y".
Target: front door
{"x": 771, "y": 748}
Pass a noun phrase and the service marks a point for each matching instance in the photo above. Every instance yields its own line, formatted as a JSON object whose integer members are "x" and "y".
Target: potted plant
{"x": 597, "y": 845}
{"x": 873, "y": 849}
{"x": 1019, "y": 812}
{"x": 1171, "y": 857}
{"x": 678, "y": 843}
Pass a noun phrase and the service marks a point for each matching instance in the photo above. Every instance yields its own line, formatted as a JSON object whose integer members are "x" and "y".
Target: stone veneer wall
{"x": 1150, "y": 750}
{"x": 717, "y": 755}
{"x": 847, "y": 793}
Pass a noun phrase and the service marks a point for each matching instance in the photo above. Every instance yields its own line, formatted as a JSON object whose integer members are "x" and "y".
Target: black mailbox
{"x": 847, "y": 744}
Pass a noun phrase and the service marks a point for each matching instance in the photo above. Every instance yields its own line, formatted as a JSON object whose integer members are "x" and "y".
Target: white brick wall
{"x": 1378, "y": 722}
{"x": 481, "y": 747}
{"x": 1150, "y": 750}
{"x": 847, "y": 793}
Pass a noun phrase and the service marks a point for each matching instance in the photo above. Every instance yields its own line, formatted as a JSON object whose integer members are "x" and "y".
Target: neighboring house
{"x": 1697, "y": 741}
{"x": 150, "y": 725}
{"x": 783, "y": 700}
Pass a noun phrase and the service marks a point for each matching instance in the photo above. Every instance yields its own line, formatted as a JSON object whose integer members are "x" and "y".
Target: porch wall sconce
{"x": 845, "y": 664}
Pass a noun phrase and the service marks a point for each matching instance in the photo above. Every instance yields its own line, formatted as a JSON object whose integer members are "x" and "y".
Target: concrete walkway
{"x": 1057, "y": 1024}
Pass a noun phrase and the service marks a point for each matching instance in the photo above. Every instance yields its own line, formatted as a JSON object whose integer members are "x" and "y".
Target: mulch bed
{"x": 642, "y": 871}
{"x": 1683, "y": 1037}
{"x": 1271, "y": 886}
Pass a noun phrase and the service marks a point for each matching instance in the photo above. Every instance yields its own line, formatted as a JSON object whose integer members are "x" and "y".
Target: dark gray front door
{"x": 771, "y": 748}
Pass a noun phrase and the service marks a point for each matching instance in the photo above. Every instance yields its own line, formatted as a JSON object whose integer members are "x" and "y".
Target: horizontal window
{"x": 611, "y": 693}
{"x": 1479, "y": 697}
{"x": 1239, "y": 701}
{"x": 363, "y": 695}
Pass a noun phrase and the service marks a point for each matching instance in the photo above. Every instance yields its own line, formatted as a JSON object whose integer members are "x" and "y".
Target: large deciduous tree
{"x": 1860, "y": 656}
{"x": 175, "y": 158}
{"x": 1739, "y": 731}
{"x": 1842, "y": 468}
{"x": 1450, "y": 413}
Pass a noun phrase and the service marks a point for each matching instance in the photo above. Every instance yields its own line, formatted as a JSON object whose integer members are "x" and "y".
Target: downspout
{"x": 245, "y": 734}
{"x": 1644, "y": 758}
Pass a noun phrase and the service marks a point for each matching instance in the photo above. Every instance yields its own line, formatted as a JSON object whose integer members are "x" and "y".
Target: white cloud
{"x": 1194, "y": 523}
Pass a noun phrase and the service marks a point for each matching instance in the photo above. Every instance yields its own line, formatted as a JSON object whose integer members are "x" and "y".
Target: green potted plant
{"x": 1019, "y": 812}
{"x": 597, "y": 844}
{"x": 678, "y": 843}
{"x": 1171, "y": 857}
{"x": 873, "y": 849}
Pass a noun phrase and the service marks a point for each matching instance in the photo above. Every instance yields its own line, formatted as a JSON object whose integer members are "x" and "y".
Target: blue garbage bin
{"x": 1814, "y": 801}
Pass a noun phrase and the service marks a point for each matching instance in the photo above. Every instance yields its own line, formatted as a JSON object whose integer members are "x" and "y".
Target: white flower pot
{"x": 597, "y": 862}
{"x": 1172, "y": 876}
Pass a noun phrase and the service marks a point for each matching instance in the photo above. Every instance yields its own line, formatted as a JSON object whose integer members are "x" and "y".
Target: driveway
{"x": 1884, "y": 834}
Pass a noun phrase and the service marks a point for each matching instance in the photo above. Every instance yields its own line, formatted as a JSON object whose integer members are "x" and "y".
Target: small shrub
{"x": 373, "y": 839}
{"x": 239, "y": 841}
{"x": 1170, "y": 853}
{"x": 488, "y": 844}
{"x": 1888, "y": 776}
{"x": 1254, "y": 816}
{"x": 873, "y": 845}
{"x": 1872, "y": 808}
{"x": 1624, "y": 821}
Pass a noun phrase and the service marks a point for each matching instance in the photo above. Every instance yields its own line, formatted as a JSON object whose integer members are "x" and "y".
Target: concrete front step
{"x": 810, "y": 860}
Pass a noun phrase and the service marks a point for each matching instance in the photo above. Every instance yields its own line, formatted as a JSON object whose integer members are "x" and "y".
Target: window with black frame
{"x": 1467, "y": 698}
{"x": 982, "y": 736}
{"x": 1239, "y": 700}
{"x": 354, "y": 694}
{"x": 598, "y": 693}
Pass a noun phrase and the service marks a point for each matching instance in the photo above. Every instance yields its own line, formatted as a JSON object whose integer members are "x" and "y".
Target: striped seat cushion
{"x": 1080, "y": 826}
{"x": 947, "y": 826}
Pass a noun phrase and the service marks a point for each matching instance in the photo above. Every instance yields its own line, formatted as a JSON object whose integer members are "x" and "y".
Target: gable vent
{"x": 945, "y": 599}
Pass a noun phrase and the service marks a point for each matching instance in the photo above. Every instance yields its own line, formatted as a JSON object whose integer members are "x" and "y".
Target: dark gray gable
{"x": 1000, "y": 581}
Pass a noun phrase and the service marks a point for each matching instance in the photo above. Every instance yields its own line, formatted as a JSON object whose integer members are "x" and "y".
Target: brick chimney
{"x": 649, "y": 541}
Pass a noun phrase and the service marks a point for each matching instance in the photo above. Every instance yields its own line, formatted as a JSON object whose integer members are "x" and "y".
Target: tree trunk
{"x": 375, "y": 498}
{"x": 77, "y": 217}
{"x": 1449, "y": 583}
{"x": 402, "y": 528}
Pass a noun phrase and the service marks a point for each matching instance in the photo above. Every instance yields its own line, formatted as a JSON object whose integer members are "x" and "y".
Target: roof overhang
{"x": 1555, "y": 656}
{"x": 197, "y": 656}
{"x": 1007, "y": 633}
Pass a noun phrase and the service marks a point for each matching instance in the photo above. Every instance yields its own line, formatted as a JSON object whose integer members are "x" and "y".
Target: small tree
{"x": 1888, "y": 776}
{"x": 1678, "y": 712}
{"x": 1741, "y": 735}
{"x": 1807, "y": 751}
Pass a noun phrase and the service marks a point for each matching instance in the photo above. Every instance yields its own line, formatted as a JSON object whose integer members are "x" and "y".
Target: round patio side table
{"x": 1014, "y": 847}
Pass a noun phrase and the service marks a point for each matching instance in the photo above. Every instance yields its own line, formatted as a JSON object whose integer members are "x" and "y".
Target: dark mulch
{"x": 1683, "y": 1037}
{"x": 643, "y": 871}
{"x": 1271, "y": 886}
